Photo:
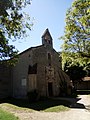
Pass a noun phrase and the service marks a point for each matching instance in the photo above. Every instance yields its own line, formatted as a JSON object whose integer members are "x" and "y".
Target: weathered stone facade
{"x": 39, "y": 68}
{"x": 5, "y": 81}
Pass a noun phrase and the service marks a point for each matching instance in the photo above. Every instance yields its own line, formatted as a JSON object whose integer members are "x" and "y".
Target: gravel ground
{"x": 79, "y": 111}
{"x": 73, "y": 114}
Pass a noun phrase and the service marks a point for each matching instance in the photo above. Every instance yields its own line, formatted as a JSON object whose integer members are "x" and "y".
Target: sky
{"x": 47, "y": 14}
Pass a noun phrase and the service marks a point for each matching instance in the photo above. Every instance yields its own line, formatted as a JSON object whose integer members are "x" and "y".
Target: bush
{"x": 33, "y": 95}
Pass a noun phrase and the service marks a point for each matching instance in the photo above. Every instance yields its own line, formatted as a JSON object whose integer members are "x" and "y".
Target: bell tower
{"x": 47, "y": 39}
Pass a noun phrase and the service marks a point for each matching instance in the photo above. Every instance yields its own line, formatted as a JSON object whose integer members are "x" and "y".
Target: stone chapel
{"x": 38, "y": 68}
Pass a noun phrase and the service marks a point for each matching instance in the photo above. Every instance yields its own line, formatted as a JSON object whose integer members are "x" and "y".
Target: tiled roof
{"x": 30, "y": 49}
{"x": 86, "y": 79}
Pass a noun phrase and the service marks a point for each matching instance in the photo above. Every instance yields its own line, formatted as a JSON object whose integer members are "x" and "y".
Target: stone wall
{"x": 48, "y": 74}
{"x": 83, "y": 85}
{"x": 32, "y": 56}
{"x": 5, "y": 81}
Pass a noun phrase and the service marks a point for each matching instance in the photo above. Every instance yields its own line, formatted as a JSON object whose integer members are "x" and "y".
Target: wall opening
{"x": 32, "y": 77}
{"x": 50, "y": 89}
{"x": 49, "y": 59}
{"x": 32, "y": 69}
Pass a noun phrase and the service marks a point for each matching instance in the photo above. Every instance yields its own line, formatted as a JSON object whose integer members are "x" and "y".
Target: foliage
{"x": 87, "y": 69}
{"x": 13, "y": 25}
{"x": 7, "y": 116}
{"x": 75, "y": 72}
{"x": 76, "y": 46}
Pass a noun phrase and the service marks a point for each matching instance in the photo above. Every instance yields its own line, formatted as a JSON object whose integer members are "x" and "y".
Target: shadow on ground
{"x": 74, "y": 103}
{"x": 45, "y": 103}
{"x": 87, "y": 107}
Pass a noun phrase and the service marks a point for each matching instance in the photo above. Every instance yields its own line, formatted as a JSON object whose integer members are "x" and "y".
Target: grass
{"x": 46, "y": 105}
{"x": 11, "y": 107}
{"x": 7, "y": 116}
{"x": 57, "y": 109}
{"x": 49, "y": 103}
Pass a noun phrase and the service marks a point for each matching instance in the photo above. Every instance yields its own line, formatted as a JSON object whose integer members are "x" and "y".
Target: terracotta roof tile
{"x": 86, "y": 79}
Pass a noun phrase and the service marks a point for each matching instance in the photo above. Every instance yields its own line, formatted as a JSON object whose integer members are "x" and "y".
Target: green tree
{"x": 76, "y": 45}
{"x": 76, "y": 72}
{"x": 13, "y": 25}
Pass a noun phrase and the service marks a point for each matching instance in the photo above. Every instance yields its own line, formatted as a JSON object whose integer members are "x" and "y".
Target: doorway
{"x": 50, "y": 89}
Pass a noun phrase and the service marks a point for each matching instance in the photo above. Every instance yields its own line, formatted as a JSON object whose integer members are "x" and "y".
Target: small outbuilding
{"x": 83, "y": 84}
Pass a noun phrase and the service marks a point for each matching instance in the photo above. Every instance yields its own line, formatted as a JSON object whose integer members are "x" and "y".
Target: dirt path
{"x": 73, "y": 114}
{"x": 70, "y": 115}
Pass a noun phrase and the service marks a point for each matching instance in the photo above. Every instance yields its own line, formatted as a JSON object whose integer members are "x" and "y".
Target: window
{"x": 23, "y": 82}
{"x": 49, "y": 41}
{"x": 32, "y": 69}
{"x": 49, "y": 59}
